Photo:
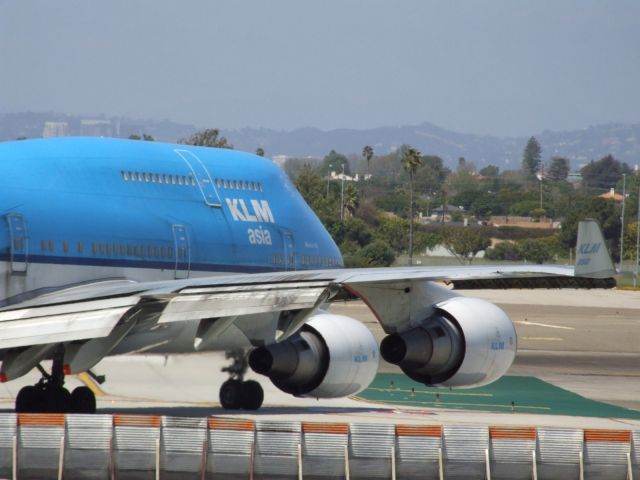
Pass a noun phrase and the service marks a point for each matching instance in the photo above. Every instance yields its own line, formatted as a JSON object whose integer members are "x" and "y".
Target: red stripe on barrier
{"x": 315, "y": 427}
{"x": 512, "y": 433}
{"x": 136, "y": 420}
{"x": 41, "y": 419}
{"x": 216, "y": 423}
{"x": 622, "y": 436}
{"x": 419, "y": 430}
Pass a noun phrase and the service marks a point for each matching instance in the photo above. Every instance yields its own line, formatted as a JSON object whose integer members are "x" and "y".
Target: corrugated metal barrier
{"x": 153, "y": 447}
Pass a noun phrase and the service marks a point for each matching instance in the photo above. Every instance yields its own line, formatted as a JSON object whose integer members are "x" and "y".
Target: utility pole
{"x": 624, "y": 195}
{"x": 328, "y": 178}
{"x": 342, "y": 196}
{"x": 635, "y": 278}
{"x": 539, "y": 176}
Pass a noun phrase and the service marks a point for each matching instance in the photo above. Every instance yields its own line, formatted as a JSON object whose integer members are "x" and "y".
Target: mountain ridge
{"x": 580, "y": 146}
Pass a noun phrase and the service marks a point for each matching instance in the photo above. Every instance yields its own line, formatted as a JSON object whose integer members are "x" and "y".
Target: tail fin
{"x": 592, "y": 257}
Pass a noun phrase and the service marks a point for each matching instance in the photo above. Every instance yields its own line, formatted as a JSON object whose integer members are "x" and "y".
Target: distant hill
{"x": 580, "y": 146}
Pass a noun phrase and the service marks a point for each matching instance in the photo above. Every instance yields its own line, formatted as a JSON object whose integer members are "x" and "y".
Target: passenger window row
{"x": 160, "y": 178}
{"x": 319, "y": 260}
{"x": 188, "y": 180}
{"x": 120, "y": 249}
{"x": 239, "y": 185}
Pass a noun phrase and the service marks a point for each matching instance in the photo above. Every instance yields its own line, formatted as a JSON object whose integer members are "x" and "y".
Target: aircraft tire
{"x": 83, "y": 400}
{"x": 57, "y": 399}
{"x": 29, "y": 399}
{"x": 231, "y": 394}
{"x": 252, "y": 395}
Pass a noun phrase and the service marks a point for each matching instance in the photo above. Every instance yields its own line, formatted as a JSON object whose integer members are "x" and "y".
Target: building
{"x": 96, "y": 128}
{"x": 55, "y": 129}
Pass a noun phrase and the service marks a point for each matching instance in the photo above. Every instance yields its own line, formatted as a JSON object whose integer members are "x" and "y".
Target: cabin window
{"x": 169, "y": 252}
{"x": 179, "y": 179}
{"x": 94, "y": 249}
{"x": 154, "y": 178}
{"x": 136, "y": 251}
{"x": 128, "y": 250}
{"x": 79, "y": 247}
{"x": 65, "y": 246}
{"x": 122, "y": 249}
{"x": 192, "y": 180}
{"x": 125, "y": 176}
{"x": 163, "y": 251}
{"x": 160, "y": 179}
{"x": 108, "y": 249}
{"x": 156, "y": 251}
{"x": 150, "y": 251}
{"x": 101, "y": 248}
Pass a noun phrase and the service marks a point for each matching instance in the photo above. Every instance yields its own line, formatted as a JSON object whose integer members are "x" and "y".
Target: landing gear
{"x": 236, "y": 393}
{"x": 50, "y": 396}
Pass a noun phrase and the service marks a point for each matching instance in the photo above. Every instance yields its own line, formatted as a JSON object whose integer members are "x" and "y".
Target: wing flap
{"x": 198, "y": 303}
{"x": 62, "y": 323}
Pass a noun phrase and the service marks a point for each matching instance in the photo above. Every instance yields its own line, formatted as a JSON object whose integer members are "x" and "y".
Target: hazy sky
{"x": 489, "y": 67}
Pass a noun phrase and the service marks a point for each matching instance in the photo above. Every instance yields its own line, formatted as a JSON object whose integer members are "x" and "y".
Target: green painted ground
{"x": 519, "y": 394}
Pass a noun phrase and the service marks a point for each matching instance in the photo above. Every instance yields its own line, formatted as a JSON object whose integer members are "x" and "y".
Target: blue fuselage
{"x": 124, "y": 205}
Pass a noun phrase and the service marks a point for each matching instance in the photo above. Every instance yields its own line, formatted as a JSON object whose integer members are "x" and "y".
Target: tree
{"x": 504, "y": 251}
{"x": 558, "y": 169}
{"x": 531, "y": 158}
{"x": 465, "y": 242}
{"x": 535, "y": 251}
{"x": 260, "y": 151}
{"x": 351, "y": 200}
{"x": 411, "y": 160}
{"x": 333, "y": 162}
{"x": 367, "y": 153}
{"x": 310, "y": 186}
{"x": 393, "y": 230}
{"x": 209, "y": 137}
{"x": 376, "y": 254}
{"x": 604, "y": 173}
{"x": 490, "y": 171}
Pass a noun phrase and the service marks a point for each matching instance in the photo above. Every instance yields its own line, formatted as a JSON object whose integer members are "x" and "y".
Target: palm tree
{"x": 411, "y": 160}
{"x": 367, "y": 153}
{"x": 351, "y": 200}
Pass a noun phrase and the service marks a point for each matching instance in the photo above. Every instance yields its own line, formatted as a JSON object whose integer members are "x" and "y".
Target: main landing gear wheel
{"x": 50, "y": 396}
{"x": 83, "y": 400}
{"x": 236, "y": 393}
{"x": 252, "y": 395}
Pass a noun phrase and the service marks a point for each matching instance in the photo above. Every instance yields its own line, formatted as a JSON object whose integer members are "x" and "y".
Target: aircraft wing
{"x": 95, "y": 310}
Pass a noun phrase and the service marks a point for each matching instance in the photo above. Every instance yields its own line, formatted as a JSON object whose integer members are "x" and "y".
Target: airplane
{"x": 113, "y": 247}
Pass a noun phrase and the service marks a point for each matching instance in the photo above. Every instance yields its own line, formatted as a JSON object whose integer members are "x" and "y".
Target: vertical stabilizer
{"x": 592, "y": 257}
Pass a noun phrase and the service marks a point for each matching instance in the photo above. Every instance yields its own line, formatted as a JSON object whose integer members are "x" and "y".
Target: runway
{"x": 582, "y": 341}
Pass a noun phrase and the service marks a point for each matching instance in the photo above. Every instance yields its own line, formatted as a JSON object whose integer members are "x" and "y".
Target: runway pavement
{"x": 584, "y": 341}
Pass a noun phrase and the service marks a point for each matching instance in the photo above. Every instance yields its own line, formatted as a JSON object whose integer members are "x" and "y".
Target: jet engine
{"x": 330, "y": 356}
{"x": 467, "y": 342}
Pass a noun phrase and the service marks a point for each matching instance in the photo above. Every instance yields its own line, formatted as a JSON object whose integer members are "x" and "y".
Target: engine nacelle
{"x": 467, "y": 342}
{"x": 330, "y": 356}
